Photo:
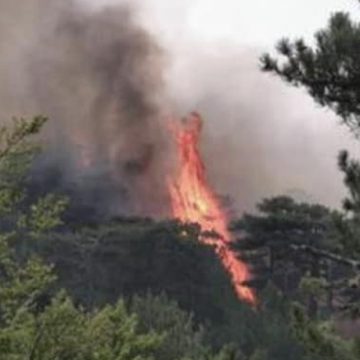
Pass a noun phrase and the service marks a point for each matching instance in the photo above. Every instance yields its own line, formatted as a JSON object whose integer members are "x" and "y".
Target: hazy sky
{"x": 251, "y": 22}
{"x": 262, "y": 22}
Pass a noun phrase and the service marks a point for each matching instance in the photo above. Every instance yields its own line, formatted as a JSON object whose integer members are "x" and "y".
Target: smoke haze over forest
{"x": 109, "y": 80}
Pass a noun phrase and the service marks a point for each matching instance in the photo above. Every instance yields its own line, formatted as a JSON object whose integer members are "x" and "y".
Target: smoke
{"x": 101, "y": 76}
{"x": 98, "y": 76}
{"x": 261, "y": 138}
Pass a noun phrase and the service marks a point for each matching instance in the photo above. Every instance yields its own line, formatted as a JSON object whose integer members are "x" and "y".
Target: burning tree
{"x": 193, "y": 201}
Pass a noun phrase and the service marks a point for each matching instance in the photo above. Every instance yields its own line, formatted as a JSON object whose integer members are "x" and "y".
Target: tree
{"x": 183, "y": 338}
{"x": 127, "y": 257}
{"x": 24, "y": 279}
{"x": 104, "y": 264}
{"x": 321, "y": 340}
{"x": 270, "y": 240}
{"x": 33, "y": 324}
{"x": 63, "y": 331}
{"x": 330, "y": 72}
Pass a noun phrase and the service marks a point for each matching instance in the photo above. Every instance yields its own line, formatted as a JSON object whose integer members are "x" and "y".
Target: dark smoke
{"x": 98, "y": 76}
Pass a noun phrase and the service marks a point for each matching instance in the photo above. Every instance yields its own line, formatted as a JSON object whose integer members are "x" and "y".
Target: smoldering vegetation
{"x": 98, "y": 76}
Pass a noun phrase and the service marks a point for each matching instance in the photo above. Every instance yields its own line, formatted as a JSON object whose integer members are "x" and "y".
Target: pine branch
{"x": 328, "y": 255}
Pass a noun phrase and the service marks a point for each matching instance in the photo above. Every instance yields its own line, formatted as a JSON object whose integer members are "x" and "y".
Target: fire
{"x": 193, "y": 200}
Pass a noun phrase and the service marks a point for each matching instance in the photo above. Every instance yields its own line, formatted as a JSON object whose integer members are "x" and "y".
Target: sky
{"x": 261, "y": 22}
{"x": 255, "y": 22}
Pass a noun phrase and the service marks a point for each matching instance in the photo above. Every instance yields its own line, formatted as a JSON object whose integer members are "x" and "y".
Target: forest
{"x": 79, "y": 286}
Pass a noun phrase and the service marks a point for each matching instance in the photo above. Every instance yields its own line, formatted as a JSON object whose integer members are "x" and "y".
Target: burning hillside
{"x": 99, "y": 76}
{"x": 193, "y": 200}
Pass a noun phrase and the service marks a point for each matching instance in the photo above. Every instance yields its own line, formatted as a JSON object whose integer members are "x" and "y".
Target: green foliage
{"x": 351, "y": 170}
{"x": 329, "y": 71}
{"x": 283, "y": 221}
{"x": 14, "y": 140}
{"x": 269, "y": 239}
{"x": 182, "y": 339}
{"x": 129, "y": 257}
{"x": 17, "y": 152}
{"x": 44, "y": 215}
{"x": 23, "y": 283}
{"x": 62, "y": 331}
{"x": 259, "y": 355}
{"x": 30, "y": 326}
{"x": 229, "y": 352}
{"x": 313, "y": 286}
{"x": 117, "y": 260}
{"x": 321, "y": 340}
{"x": 22, "y": 287}
{"x": 351, "y": 227}
{"x": 134, "y": 256}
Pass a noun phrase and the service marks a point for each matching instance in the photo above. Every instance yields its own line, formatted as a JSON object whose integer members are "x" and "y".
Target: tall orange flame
{"x": 194, "y": 201}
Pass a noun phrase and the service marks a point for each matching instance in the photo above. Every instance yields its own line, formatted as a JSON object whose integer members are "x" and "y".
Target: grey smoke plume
{"x": 261, "y": 138}
{"x": 98, "y": 76}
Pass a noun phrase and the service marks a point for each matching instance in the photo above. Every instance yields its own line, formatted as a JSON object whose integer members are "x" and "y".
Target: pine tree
{"x": 276, "y": 242}
{"x": 33, "y": 324}
{"x": 330, "y": 72}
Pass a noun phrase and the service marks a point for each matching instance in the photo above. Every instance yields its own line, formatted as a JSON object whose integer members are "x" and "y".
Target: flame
{"x": 193, "y": 200}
